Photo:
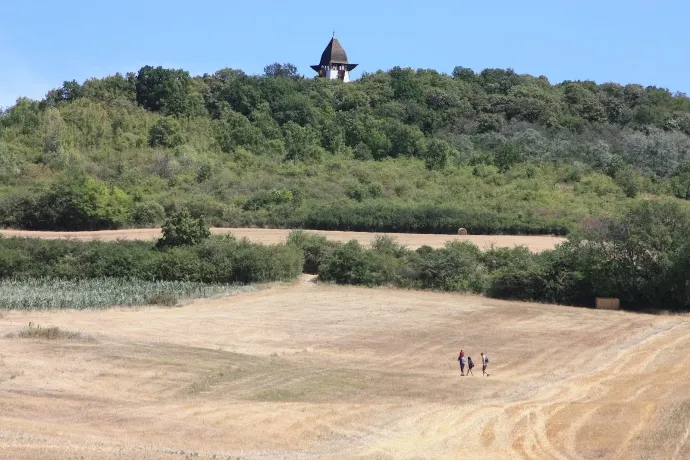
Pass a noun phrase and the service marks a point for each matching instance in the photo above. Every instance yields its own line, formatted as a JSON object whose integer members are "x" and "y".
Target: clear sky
{"x": 44, "y": 42}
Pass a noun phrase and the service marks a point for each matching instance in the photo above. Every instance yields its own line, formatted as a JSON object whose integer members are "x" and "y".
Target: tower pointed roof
{"x": 334, "y": 54}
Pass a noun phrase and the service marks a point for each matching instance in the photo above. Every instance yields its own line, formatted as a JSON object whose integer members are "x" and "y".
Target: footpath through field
{"x": 276, "y": 236}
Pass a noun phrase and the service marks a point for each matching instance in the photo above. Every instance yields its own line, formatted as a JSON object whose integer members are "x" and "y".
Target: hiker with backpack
{"x": 470, "y": 365}
{"x": 485, "y": 364}
{"x": 461, "y": 360}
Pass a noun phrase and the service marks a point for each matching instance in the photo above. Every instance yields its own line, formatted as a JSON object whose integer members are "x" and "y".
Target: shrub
{"x": 50, "y": 333}
{"x": 269, "y": 199}
{"x": 166, "y": 132}
{"x": 498, "y": 258}
{"x": 628, "y": 180}
{"x": 518, "y": 284}
{"x": 147, "y": 214}
{"x": 437, "y": 154}
{"x": 180, "y": 229}
{"x": 386, "y": 244}
{"x": 217, "y": 256}
{"x": 347, "y": 264}
{"x": 78, "y": 202}
{"x": 456, "y": 267}
{"x": 168, "y": 299}
{"x": 178, "y": 264}
{"x": 260, "y": 264}
{"x": 313, "y": 246}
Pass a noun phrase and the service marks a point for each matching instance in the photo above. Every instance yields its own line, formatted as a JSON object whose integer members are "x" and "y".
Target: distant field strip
{"x": 276, "y": 236}
{"x": 47, "y": 294}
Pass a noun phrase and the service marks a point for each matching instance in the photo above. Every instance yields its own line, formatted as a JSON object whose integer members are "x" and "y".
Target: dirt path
{"x": 274, "y": 236}
{"x": 312, "y": 371}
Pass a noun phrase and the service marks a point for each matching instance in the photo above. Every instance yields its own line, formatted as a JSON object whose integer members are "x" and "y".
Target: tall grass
{"x": 48, "y": 293}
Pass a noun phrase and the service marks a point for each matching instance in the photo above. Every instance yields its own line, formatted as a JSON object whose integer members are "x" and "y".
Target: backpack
{"x": 486, "y": 359}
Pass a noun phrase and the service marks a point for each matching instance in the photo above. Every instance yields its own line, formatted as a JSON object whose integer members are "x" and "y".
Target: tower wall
{"x": 338, "y": 72}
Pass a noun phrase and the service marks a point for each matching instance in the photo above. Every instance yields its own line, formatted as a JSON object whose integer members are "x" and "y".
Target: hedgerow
{"x": 215, "y": 260}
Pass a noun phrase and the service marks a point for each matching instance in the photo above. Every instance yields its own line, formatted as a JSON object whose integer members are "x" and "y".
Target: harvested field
{"x": 273, "y": 236}
{"x": 327, "y": 372}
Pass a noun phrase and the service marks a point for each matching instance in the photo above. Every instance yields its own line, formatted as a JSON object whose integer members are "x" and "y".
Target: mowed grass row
{"x": 48, "y": 293}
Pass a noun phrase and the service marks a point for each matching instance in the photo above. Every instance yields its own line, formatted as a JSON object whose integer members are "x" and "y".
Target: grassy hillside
{"x": 401, "y": 150}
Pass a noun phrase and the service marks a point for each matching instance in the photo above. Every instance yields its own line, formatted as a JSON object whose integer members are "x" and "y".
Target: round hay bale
{"x": 462, "y": 231}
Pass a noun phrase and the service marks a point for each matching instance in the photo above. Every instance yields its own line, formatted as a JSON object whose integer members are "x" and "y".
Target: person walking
{"x": 461, "y": 360}
{"x": 485, "y": 364}
{"x": 470, "y": 365}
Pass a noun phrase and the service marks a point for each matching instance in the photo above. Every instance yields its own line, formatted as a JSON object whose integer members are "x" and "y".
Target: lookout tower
{"x": 334, "y": 64}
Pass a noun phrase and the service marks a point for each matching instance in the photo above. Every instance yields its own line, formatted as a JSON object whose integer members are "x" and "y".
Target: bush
{"x": 519, "y": 258}
{"x": 78, "y": 202}
{"x": 518, "y": 284}
{"x": 456, "y": 267}
{"x": 313, "y": 246}
{"x": 167, "y": 299}
{"x": 178, "y": 264}
{"x": 259, "y": 264}
{"x": 180, "y": 229}
{"x": 50, "y": 333}
{"x": 347, "y": 264}
{"x": 437, "y": 154}
{"x": 166, "y": 132}
{"x": 269, "y": 199}
{"x": 147, "y": 214}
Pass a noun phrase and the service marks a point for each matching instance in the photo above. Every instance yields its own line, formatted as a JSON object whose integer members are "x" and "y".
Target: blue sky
{"x": 43, "y": 43}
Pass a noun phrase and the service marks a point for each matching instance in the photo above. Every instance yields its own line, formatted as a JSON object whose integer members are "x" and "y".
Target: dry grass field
{"x": 315, "y": 371}
{"x": 273, "y": 236}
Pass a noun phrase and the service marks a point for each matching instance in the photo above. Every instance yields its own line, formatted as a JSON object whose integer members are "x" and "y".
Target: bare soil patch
{"x": 275, "y": 236}
{"x": 313, "y": 371}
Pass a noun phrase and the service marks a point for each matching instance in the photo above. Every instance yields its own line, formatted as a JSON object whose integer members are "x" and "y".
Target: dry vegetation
{"x": 35, "y": 331}
{"x": 274, "y": 236}
{"x": 316, "y": 371}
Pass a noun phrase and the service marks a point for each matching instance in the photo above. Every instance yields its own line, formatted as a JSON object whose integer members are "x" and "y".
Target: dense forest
{"x": 398, "y": 150}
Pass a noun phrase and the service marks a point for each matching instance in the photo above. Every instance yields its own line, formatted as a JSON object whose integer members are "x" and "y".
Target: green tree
{"x": 165, "y": 90}
{"x": 437, "y": 154}
{"x": 489, "y": 123}
{"x": 637, "y": 257}
{"x": 508, "y": 156}
{"x": 301, "y": 143}
{"x": 277, "y": 70}
{"x": 166, "y": 132}
{"x": 10, "y": 165}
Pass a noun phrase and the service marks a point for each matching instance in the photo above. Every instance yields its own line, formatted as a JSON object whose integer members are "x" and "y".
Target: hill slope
{"x": 401, "y": 150}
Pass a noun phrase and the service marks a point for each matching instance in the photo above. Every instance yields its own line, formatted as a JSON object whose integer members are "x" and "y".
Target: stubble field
{"x": 275, "y": 236}
{"x": 313, "y": 371}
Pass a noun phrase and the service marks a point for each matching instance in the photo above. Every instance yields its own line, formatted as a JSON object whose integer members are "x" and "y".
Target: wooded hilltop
{"x": 399, "y": 150}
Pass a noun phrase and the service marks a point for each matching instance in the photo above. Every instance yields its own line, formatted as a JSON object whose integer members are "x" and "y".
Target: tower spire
{"x": 334, "y": 64}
